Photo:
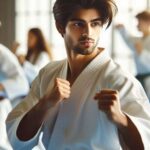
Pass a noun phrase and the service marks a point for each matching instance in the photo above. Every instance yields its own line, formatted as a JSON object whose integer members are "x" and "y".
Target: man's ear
{"x": 60, "y": 28}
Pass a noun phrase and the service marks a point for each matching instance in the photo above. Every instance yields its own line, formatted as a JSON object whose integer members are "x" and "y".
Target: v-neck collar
{"x": 96, "y": 64}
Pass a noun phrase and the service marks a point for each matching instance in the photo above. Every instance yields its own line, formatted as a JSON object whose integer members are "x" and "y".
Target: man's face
{"x": 82, "y": 31}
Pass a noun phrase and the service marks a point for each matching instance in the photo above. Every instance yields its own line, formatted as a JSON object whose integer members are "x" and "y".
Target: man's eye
{"x": 95, "y": 24}
{"x": 78, "y": 24}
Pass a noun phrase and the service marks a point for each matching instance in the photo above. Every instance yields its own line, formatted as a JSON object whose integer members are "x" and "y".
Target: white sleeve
{"x": 15, "y": 82}
{"x": 5, "y": 108}
{"x": 16, "y": 143}
{"x": 136, "y": 106}
{"x": 18, "y": 113}
{"x": 15, "y": 87}
{"x": 140, "y": 116}
{"x": 134, "y": 102}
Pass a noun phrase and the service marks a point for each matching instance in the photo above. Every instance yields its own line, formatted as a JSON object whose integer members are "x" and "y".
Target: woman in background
{"x": 38, "y": 54}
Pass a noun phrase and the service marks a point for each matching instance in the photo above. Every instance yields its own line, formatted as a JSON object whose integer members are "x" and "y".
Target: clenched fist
{"x": 108, "y": 102}
{"x": 61, "y": 91}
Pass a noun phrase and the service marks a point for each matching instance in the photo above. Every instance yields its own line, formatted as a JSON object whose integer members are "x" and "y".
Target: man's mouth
{"x": 87, "y": 43}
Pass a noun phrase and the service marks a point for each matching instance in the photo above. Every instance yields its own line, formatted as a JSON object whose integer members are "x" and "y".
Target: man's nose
{"x": 88, "y": 30}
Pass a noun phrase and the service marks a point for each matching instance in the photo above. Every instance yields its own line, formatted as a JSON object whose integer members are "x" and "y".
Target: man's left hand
{"x": 109, "y": 103}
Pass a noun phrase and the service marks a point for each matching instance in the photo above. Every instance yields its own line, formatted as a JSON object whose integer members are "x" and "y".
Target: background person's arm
{"x": 14, "y": 81}
{"x": 127, "y": 38}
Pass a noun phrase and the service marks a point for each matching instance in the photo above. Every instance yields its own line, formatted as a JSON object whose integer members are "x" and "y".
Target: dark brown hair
{"x": 40, "y": 45}
{"x": 64, "y": 9}
{"x": 144, "y": 15}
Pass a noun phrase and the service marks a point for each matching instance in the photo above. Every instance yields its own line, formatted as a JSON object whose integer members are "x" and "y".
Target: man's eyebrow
{"x": 81, "y": 20}
{"x": 77, "y": 19}
{"x": 97, "y": 19}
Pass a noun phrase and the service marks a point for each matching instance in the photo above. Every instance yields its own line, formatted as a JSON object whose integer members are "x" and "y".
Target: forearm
{"x": 130, "y": 134}
{"x": 33, "y": 120}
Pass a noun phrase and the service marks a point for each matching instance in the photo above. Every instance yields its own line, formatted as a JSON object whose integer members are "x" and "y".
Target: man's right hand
{"x": 60, "y": 92}
{"x": 28, "y": 128}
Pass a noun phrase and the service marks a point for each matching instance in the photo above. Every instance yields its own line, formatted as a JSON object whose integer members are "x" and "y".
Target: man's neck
{"x": 77, "y": 63}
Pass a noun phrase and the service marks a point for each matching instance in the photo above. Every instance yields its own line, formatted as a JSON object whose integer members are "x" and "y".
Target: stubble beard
{"x": 85, "y": 51}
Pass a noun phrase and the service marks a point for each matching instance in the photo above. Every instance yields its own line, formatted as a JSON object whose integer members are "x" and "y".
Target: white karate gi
{"x": 142, "y": 59}
{"x": 15, "y": 85}
{"x": 11, "y": 75}
{"x": 77, "y": 123}
{"x": 5, "y": 108}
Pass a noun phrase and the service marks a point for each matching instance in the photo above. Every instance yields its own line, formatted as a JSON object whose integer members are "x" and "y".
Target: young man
{"x": 85, "y": 102}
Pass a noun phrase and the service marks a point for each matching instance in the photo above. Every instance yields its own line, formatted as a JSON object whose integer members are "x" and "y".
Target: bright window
{"x": 31, "y": 13}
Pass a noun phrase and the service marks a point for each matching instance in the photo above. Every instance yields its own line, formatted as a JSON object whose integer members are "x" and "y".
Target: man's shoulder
{"x": 54, "y": 64}
{"x": 52, "y": 67}
{"x": 113, "y": 72}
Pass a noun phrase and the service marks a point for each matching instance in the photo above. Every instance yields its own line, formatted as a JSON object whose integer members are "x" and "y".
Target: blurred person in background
{"x": 13, "y": 83}
{"x": 13, "y": 86}
{"x": 38, "y": 54}
{"x": 5, "y": 108}
{"x": 140, "y": 47}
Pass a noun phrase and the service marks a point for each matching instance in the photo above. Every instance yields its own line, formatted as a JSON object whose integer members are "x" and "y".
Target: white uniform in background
{"x": 5, "y": 108}
{"x": 142, "y": 59}
{"x": 12, "y": 75}
{"x": 15, "y": 85}
{"x": 31, "y": 70}
{"x": 77, "y": 123}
